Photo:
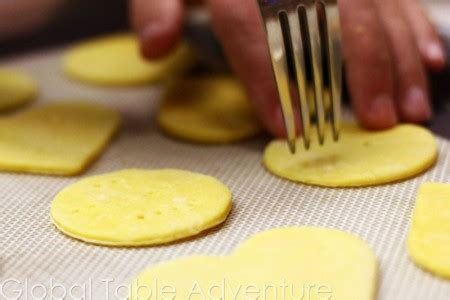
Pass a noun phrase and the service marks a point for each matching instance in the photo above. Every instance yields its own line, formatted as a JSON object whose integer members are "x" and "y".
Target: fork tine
{"x": 333, "y": 47}
{"x": 281, "y": 73}
{"x": 316, "y": 61}
{"x": 306, "y": 34}
{"x": 299, "y": 62}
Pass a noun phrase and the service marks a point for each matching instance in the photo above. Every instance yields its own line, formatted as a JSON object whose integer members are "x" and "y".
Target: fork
{"x": 305, "y": 45}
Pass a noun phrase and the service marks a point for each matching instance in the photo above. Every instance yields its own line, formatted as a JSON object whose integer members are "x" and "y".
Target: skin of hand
{"x": 388, "y": 45}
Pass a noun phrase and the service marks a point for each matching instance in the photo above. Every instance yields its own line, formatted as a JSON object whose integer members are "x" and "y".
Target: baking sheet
{"x": 34, "y": 253}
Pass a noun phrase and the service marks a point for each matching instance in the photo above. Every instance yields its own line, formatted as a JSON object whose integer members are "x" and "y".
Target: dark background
{"x": 77, "y": 19}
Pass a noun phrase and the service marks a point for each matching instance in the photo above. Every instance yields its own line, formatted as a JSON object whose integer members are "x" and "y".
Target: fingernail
{"x": 435, "y": 52}
{"x": 416, "y": 105}
{"x": 152, "y": 34}
{"x": 382, "y": 111}
{"x": 148, "y": 31}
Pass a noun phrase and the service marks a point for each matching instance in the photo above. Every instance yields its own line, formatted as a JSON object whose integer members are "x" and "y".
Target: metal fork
{"x": 304, "y": 39}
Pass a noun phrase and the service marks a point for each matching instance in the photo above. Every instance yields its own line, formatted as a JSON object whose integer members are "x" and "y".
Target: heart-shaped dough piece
{"x": 359, "y": 158}
{"x": 429, "y": 237}
{"x": 16, "y": 89}
{"x": 284, "y": 263}
{"x": 60, "y": 138}
{"x": 141, "y": 207}
{"x": 116, "y": 60}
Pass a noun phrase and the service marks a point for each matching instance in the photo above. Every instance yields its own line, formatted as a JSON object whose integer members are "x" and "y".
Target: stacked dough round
{"x": 16, "y": 89}
{"x": 210, "y": 110}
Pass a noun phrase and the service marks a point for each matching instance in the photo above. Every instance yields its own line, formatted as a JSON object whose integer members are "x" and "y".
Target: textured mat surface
{"x": 33, "y": 252}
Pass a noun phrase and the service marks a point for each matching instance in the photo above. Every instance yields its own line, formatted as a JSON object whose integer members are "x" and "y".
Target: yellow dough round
{"x": 141, "y": 207}
{"x": 429, "y": 236}
{"x": 16, "y": 89}
{"x": 208, "y": 110}
{"x": 60, "y": 138}
{"x": 359, "y": 158}
{"x": 116, "y": 60}
{"x": 326, "y": 101}
{"x": 316, "y": 263}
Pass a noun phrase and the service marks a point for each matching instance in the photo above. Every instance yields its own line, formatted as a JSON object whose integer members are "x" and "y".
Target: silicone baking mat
{"x": 33, "y": 254}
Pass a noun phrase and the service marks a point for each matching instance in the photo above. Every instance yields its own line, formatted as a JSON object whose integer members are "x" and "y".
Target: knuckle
{"x": 371, "y": 53}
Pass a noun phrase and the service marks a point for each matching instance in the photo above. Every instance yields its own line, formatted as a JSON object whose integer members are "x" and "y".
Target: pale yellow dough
{"x": 141, "y": 207}
{"x": 60, "y": 138}
{"x": 359, "y": 158}
{"x": 211, "y": 109}
{"x": 429, "y": 236}
{"x": 116, "y": 60}
{"x": 16, "y": 89}
{"x": 326, "y": 101}
{"x": 316, "y": 263}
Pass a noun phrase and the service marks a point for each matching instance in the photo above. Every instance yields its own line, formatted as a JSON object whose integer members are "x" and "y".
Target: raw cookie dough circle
{"x": 141, "y": 207}
{"x": 208, "y": 110}
{"x": 312, "y": 105}
{"x": 429, "y": 237}
{"x": 116, "y": 60}
{"x": 16, "y": 89}
{"x": 60, "y": 138}
{"x": 359, "y": 158}
{"x": 301, "y": 257}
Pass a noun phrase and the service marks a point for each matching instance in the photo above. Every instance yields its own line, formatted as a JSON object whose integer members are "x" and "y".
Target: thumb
{"x": 158, "y": 24}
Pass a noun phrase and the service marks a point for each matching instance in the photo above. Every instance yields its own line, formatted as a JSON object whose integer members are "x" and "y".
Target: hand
{"x": 388, "y": 44}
